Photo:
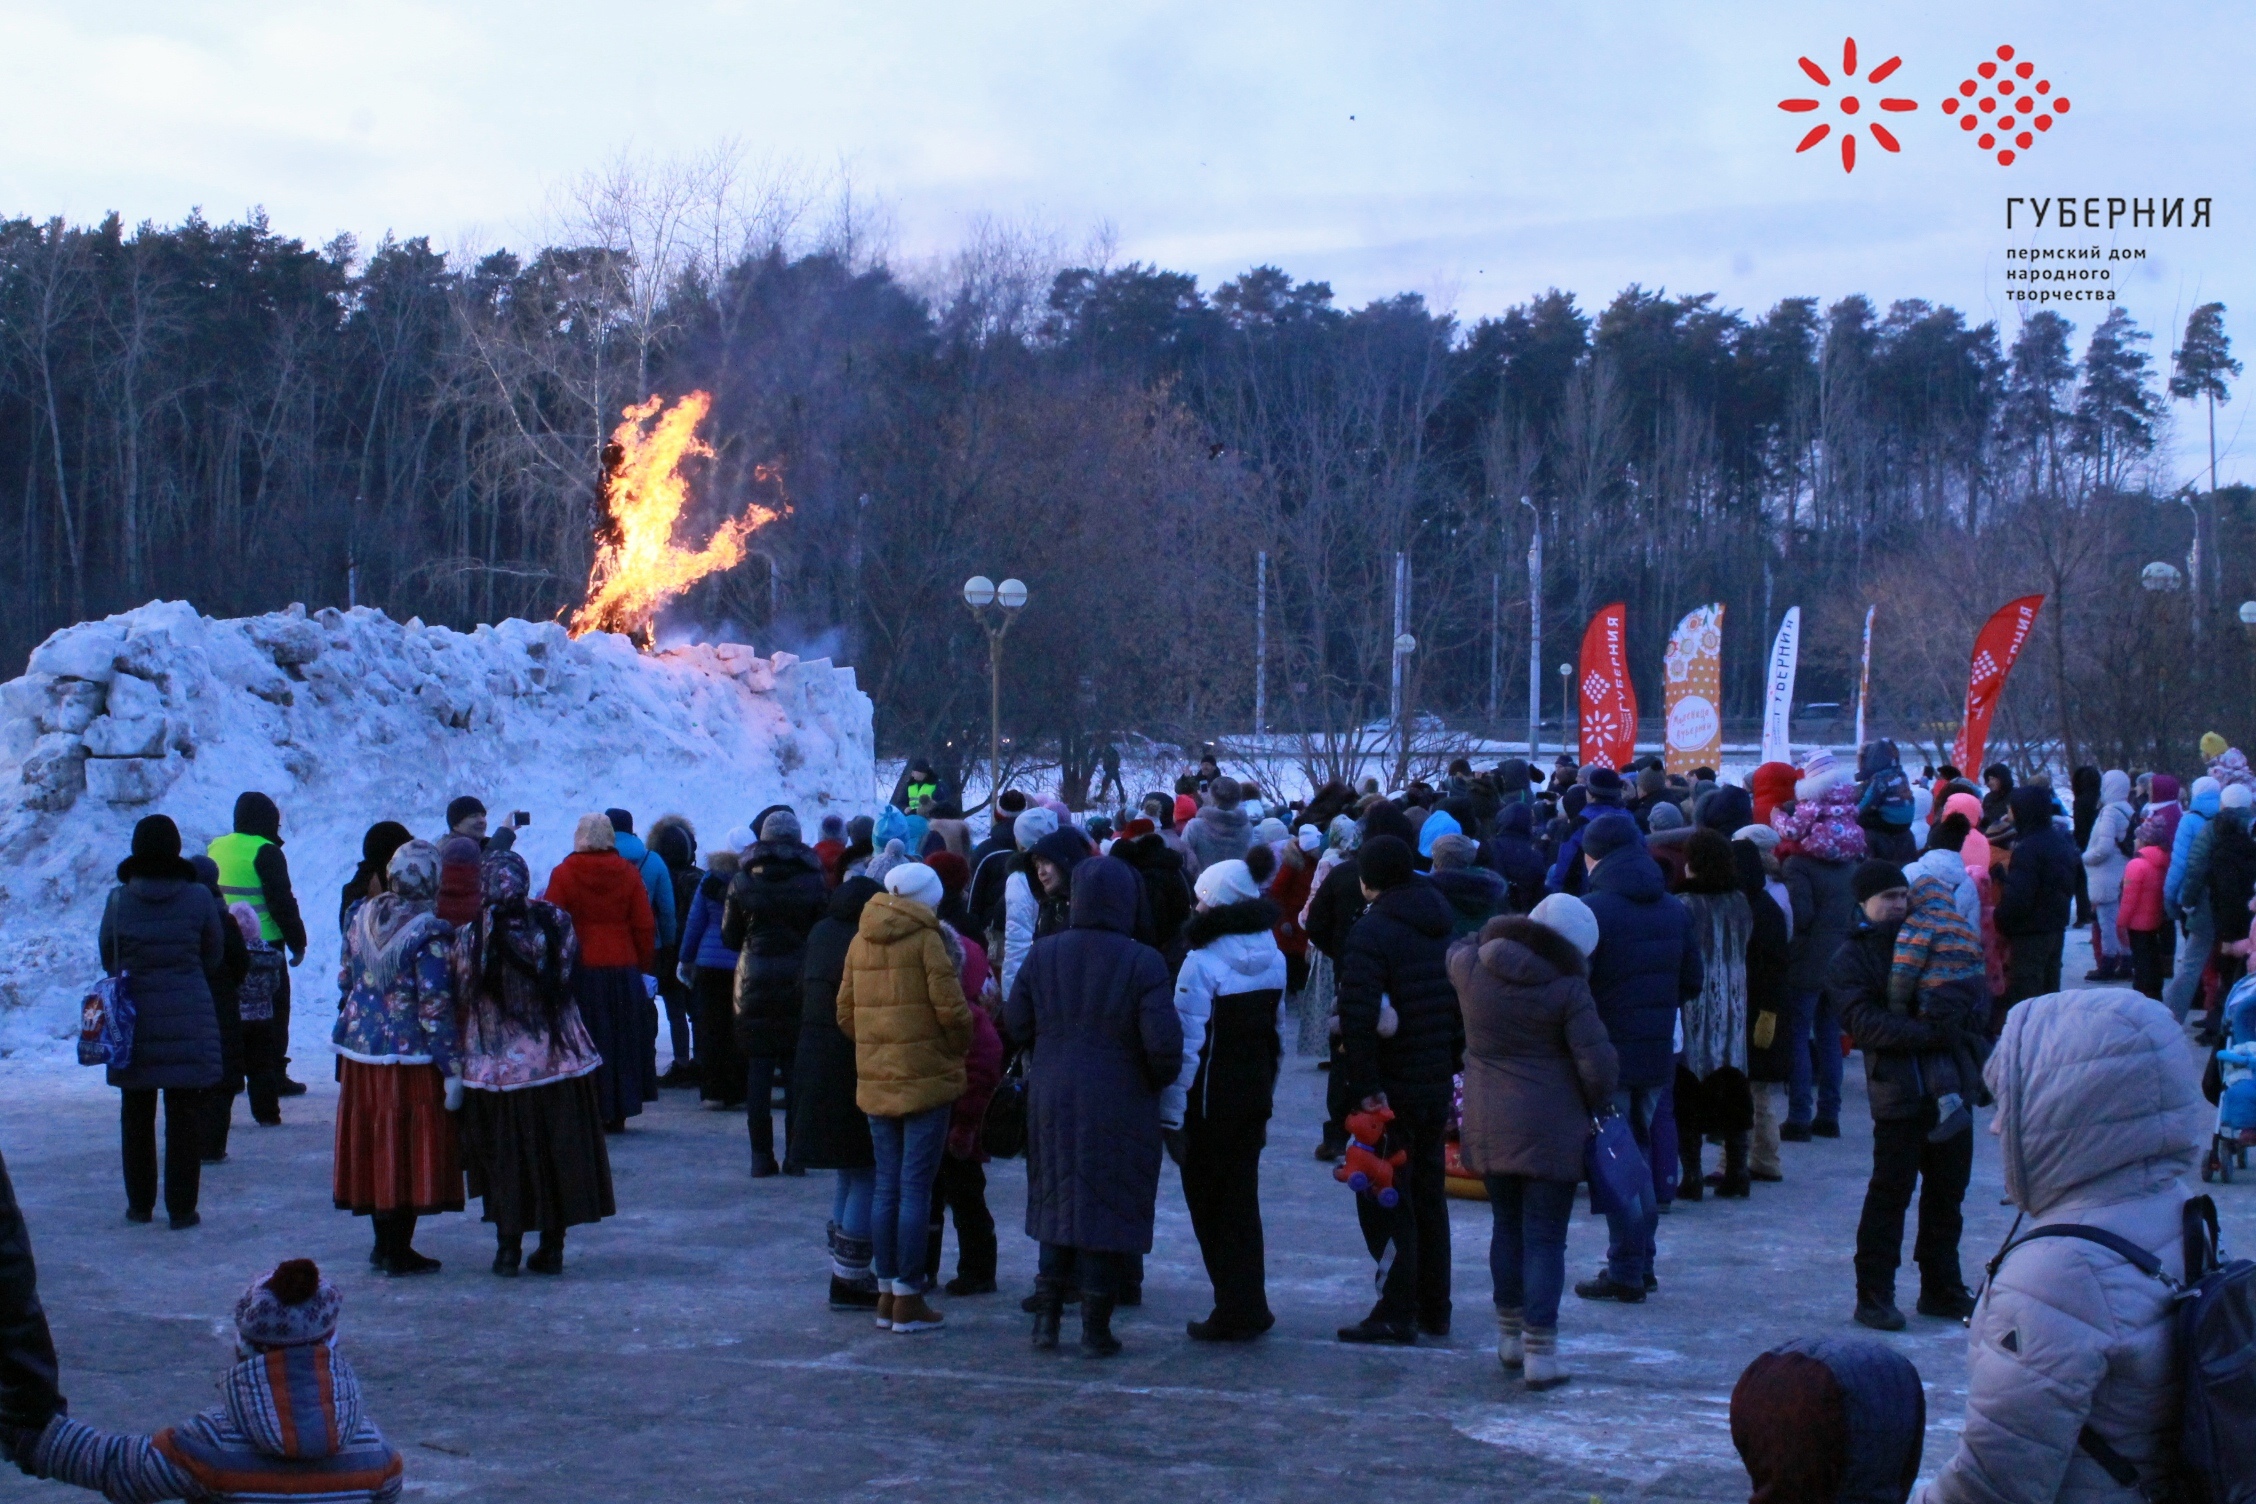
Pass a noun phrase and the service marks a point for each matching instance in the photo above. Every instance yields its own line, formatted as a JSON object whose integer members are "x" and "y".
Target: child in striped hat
{"x": 289, "y": 1424}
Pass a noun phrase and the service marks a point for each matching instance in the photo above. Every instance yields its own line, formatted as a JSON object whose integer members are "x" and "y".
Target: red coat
{"x": 2142, "y": 890}
{"x": 610, "y": 909}
{"x": 1288, "y": 890}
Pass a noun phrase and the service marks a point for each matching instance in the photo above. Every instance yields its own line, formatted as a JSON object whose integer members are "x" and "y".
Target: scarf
{"x": 1715, "y": 1023}
{"x": 387, "y": 930}
{"x": 520, "y": 949}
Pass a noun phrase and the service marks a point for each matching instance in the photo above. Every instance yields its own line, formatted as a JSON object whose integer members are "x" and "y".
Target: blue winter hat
{"x": 1607, "y": 834}
{"x": 1438, "y": 823}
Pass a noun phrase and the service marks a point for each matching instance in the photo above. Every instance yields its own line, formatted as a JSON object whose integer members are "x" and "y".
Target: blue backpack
{"x": 2215, "y": 1336}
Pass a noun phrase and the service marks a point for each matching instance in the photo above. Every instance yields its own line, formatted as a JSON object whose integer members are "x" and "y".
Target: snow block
{"x": 55, "y": 772}
{"x": 130, "y": 780}
{"x": 291, "y": 641}
{"x": 71, "y": 705}
{"x": 86, "y": 651}
{"x": 111, "y": 737}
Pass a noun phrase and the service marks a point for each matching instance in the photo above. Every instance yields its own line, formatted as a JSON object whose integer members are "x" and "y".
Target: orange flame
{"x": 638, "y": 567}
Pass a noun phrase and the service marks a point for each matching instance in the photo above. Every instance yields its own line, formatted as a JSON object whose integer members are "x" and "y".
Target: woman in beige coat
{"x": 901, "y": 1004}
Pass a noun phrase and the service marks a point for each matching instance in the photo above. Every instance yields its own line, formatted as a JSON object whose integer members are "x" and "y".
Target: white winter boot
{"x": 1542, "y": 1349}
{"x": 1511, "y": 1348}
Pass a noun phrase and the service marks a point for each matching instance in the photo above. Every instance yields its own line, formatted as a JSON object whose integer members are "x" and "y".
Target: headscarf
{"x": 1344, "y": 835}
{"x": 390, "y": 927}
{"x": 1976, "y": 852}
{"x": 520, "y": 951}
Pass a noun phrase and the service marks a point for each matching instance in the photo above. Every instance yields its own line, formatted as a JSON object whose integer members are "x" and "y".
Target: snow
{"x": 347, "y": 718}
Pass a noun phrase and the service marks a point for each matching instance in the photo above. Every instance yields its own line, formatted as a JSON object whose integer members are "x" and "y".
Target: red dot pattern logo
{"x": 2004, "y": 107}
{"x": 1847, "y": 106}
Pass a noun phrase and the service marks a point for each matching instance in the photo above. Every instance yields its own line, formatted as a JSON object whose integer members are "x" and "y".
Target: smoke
{"x": 784, "y": 635}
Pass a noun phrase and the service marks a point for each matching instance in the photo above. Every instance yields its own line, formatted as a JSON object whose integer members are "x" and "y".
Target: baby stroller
{"x": 2230, "y": 1082}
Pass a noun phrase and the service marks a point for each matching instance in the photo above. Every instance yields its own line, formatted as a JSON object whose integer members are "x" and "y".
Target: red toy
{"x": 1369, "y": 1169}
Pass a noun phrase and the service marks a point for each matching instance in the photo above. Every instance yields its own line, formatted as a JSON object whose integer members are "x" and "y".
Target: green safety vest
{"x": 237, "y": 856}
{"x": 916, "y": 791}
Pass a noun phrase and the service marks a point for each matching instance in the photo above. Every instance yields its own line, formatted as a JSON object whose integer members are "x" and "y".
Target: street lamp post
{"x": 1535, "y": 633}
{"x": 994, "y": 607}
{"x": 1566, "y": 708}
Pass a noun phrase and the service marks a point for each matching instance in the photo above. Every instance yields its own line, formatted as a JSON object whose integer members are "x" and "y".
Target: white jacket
{"x": 1951, "y": 868}
{"x": 2099, "y": 1116}
{"x": 2103, "y": 854}
{"x": 1225, "y": 965}
{"x": 1020, "y": 911}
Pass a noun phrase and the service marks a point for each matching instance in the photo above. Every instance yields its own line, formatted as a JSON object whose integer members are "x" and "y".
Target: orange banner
{"x": 1994, "y": 652}
{"x": 1609, "y": 702}
{"x": 1692, "y": 691}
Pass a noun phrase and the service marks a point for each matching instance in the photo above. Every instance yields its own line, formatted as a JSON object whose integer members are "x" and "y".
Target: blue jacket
{"x": 701, "y": 943}
{"x": 2205, "y": 805}
{"x": 1647, "y": 964}
{"x": 1566, "y": 875}
{"x": 658, "y": 880}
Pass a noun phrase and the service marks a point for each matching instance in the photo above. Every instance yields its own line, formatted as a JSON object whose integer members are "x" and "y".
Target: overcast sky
{"x": 1475, "y": 152}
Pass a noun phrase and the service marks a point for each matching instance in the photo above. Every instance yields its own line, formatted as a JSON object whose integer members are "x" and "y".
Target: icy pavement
{"x": 687, "y": 1353}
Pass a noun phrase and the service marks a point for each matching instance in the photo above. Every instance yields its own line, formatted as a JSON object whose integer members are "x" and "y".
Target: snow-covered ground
{"x": 347, "y": 718}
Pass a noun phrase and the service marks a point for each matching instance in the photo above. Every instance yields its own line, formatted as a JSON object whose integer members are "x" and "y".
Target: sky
{"x": 1477, "y": 153}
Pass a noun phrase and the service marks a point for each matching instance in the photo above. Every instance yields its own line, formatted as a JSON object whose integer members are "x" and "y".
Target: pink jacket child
{"x": 2142, "y": 892}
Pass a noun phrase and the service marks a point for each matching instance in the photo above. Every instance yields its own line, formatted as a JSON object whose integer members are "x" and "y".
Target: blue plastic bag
{"x": 1621, "y": 1182}
{"x": 105, "y": 1029}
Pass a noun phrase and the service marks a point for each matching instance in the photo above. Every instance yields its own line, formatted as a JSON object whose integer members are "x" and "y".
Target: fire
{"x": 638, "y": 567}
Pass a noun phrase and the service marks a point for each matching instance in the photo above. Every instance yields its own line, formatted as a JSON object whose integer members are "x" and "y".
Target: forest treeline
{"x": 224, "y": 413}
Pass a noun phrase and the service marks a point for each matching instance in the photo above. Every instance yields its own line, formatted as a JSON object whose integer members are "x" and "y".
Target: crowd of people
{"x": 1485, "y": 965}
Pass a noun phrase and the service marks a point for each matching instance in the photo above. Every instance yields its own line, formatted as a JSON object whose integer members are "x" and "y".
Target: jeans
{"x": 186, "y": 1109}
{"x": 908, "y": 1156}
{"x": 1901, "y": 1158}
{"x": 850, "y": 1203}
{"x": 1414, "y": 1286}
{"x": 2111, "y": 943}
{"x": 1093, "y": 1272}
{"x": 1629, "y": 1245}
{"x": 1817, "y": 1023}
{"x": 1527, "y": 1246}
{"x": 2193, "y": 959}
{"x": 1663, "y": 1153}
{"x": 759, "y": 1109}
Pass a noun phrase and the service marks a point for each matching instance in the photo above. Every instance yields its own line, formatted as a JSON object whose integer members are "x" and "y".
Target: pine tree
{"x": 2203, "y": 363}
{"x": 2115, "y": 408}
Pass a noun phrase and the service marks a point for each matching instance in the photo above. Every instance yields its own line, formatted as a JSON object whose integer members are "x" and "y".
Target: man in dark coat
{"x": 1332, "y": 912}
{"x": 29, "y": 1396}
{"x": 775, "y": 900}
{"x": 1606, "y": 792}
{"x": 164, "y": 930}
{"x": 1397, "y": 957}
{"x": 1512, "y": 855}
{"x": 1095, "y": 1008}
{"x": 1646, "y": 967}
{"x": 2037, "y": 899}
{"x": 1911, "y": 1064}
{"x": 826, "y": 1128}
{"x": 1167, "y": 889}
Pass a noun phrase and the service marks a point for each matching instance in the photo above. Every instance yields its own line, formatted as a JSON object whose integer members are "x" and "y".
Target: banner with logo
{"x": 1609, "y": 703}
{"x": 1692, "y": 691}
{"x": 1778, "y": 707}
{"x": 1864, "y": 676}
{"x": 1995, "y": 650}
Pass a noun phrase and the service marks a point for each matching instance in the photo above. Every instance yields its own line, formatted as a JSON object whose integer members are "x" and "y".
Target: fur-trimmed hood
{"x": 1519, "y": 952}
{"x": 1252, "y": 916}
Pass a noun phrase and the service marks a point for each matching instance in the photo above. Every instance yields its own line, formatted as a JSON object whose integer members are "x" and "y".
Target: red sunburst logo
{"x": 2002, "y": 109}
{"x": 1849, "y": 105}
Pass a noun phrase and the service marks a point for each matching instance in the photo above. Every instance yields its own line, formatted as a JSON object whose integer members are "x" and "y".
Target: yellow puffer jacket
{"x": 901, "y": 1004}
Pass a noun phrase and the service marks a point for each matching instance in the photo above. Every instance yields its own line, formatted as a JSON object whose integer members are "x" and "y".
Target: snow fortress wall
{"x": 345, "y": 718}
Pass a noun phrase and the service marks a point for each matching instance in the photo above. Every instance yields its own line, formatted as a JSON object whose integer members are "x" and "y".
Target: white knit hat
{"x": 1032, "y": 825}
{"x": 2235, "y": 796}
{"x": 1570, "y": 918}
{"x": 1226, "y": 882}
{"x": 915, "y": 882}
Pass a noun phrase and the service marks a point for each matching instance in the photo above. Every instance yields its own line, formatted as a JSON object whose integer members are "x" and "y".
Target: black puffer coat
{"x": 1097, "y": 1010}
{"x": 829, "y": 1132}
{"x": 774, "y": 902}
{"x": 163, "y": 930}
{"x": 28, "y": 1394}
{"x": 1399, "y": 950}
{"x": 2039, "y": 895}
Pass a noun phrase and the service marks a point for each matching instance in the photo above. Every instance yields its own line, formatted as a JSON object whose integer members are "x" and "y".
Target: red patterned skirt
{"x": 396, "y": 1144}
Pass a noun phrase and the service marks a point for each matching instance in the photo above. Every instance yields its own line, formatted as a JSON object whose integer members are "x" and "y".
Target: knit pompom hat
{"x": 288, "y": 1306}
{"x": 1226, "y": 883}
{"x": 1820, "y": 775}
{"x": 916, "y": 882}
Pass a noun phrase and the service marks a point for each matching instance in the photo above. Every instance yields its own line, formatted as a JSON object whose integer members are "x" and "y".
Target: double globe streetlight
{"x": 994, "y": 607}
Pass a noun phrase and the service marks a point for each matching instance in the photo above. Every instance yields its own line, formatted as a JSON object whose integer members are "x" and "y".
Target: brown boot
{"x": 912, "y": 1313}
{"x": 885, "y": 1311}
